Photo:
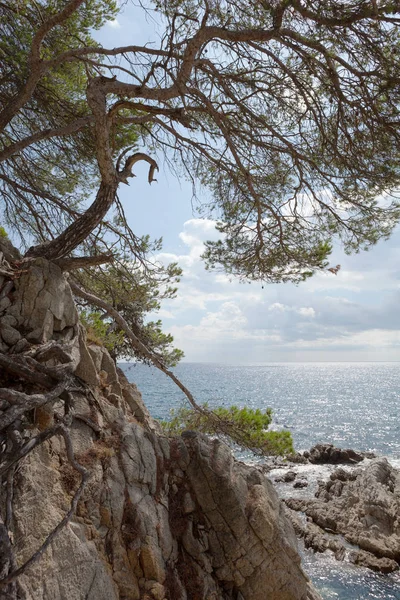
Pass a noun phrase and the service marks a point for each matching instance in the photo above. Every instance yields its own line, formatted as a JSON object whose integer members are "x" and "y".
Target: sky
{"x": 351, "y": 316}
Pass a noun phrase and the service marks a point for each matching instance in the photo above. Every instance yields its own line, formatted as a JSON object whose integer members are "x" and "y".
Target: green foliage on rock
{"x": 135, "y": 291}
{"x": 247, "y": 427}
{"x": 99, "y": 331}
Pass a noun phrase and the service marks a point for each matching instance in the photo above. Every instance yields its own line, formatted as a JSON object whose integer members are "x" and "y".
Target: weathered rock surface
{"x": 173, "y": 519}
{"x": 363, "y": 506}
{"x": 314, "y": 537}
{"x": 300, "y": 483}
{"x": 160, "y": 518}
{"x": 329, "y": 454}
{"x": 288, "y": 477}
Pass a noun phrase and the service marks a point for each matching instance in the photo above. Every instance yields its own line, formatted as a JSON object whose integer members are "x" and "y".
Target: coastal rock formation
{"x": 159, "y": 518}
{"x": 364, "y": 507}
{"x": 329, "y": 454}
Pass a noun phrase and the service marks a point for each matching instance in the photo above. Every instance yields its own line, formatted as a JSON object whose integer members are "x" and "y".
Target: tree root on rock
{"x": 56, "y": 382}
{"x": 5, "y": 543}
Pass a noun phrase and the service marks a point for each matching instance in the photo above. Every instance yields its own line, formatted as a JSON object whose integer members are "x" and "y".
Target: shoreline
{"x": 347, "y": 507}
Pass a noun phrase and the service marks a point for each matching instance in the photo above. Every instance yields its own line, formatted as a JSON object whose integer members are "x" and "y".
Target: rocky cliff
{"x": 156, "y": 518}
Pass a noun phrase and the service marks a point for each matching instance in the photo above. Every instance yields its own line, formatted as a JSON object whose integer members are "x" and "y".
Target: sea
{"x": 350, "y": 405}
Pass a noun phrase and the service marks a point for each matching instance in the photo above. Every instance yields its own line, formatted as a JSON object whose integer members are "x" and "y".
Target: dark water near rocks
{"x": 353, "y": 405}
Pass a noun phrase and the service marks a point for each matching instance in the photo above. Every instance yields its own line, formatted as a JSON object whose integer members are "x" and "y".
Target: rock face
{"x": 363, "y": 506}
{"x": 174, "y": 519}
{"x": 329, "y": 454}
{"x": 160, "y": 518}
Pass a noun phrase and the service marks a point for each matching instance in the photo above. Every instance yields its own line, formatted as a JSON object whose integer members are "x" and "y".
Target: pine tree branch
{"x": 135, "y": 341}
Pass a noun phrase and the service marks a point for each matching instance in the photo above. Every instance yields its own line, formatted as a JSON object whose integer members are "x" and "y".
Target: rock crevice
{"x": 159, "y": 518}
{"x": 363, "y": 506}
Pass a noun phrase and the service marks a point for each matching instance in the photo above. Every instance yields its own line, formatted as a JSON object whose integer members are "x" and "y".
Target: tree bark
{"x": 78, "y": 231}
{"x": 79, "y": 262}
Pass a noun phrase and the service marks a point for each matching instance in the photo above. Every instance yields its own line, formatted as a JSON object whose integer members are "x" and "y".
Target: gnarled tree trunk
{"x": 78, "y": 231}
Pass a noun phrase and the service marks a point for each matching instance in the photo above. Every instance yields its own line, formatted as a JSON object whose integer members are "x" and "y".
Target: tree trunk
{"x": 78, "y": 231}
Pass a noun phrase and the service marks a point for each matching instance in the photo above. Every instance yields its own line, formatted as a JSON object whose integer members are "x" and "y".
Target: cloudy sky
{"x": 353, "y": 316}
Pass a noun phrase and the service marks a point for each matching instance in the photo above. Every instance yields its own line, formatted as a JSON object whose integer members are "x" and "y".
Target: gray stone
{"x": 9, "y": 252}
{"x": 8, "y": 321}
{"x": 20, "y": 346}
{"x": 96, "y": 353}
{"x": 363, "y": 506}
{"x": 366, "y": 559}
{"x": 86, "y": 369}
{"x": 329, "y": 454}
{"x": 300, "y": 483}
{"x": 159, "y": 518}
{"x": 4, "y": 304}
{"x": 289, "y": 476}
{"x": 10, "y": 335}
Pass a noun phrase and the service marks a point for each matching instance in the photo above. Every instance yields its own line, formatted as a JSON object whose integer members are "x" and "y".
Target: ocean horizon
{"x": 349, "y": 404}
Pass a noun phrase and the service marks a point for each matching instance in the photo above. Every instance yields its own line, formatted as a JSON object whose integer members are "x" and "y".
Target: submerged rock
{"x": 286, "y": 478}
{"x": 300, "y": 483}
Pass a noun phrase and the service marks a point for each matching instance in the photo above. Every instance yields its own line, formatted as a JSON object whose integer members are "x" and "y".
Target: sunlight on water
{"x": 353, "y": 405}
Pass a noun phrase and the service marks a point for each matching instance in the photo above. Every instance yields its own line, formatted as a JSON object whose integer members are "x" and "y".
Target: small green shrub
{"x": 247, "y": 427}
{"x": 99, "y": 331}
{"x": 3, "y": 232}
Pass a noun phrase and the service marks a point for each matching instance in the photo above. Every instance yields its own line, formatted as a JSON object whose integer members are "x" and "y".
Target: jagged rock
{"x": 297, "y": 458}
{"x": 297, "y": 504}
{"x": 314, "y": 537}
{"x": 43, "y": 300}
{"x": 108, "y": 365}
{"x": 96, "y": 354}
{"x": 329, "y": 454}
{"x": 300, "y": 483}
{"x": 134, "y": 400}
{"x": 364, "y": 507}
{"x": 366, "y": 559}
{"x": 220, "y": 531}
{"x": 160, "y": 518}
{"x": 86, "y": 369}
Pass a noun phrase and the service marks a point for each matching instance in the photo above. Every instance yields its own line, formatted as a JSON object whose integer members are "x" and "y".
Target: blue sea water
{"x": 353, "y": 405}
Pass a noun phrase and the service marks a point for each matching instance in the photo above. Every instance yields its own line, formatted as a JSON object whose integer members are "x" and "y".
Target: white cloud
{"x": 278, "y": 307}
{"x": 164, "y": 314}
{"x": 306, "y": 311}
{"x": 115, "y": 24}
{"x": 374, "y": 338}
{"x": 354, "y": 314}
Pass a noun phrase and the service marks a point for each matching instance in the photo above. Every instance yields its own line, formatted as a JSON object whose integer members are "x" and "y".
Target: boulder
{"x": 300, "y": 483}
{"x": 366, "y": 559}
{"x": 329, "y": 454}
{"x": 288, "y": 477}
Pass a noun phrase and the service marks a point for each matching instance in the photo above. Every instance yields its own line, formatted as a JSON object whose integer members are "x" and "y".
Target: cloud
{"x": 353, "y": 314}
{"x": 165, "y": 314}
{"x": 114, "y": 24}
{"x": 306, "y": 311}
